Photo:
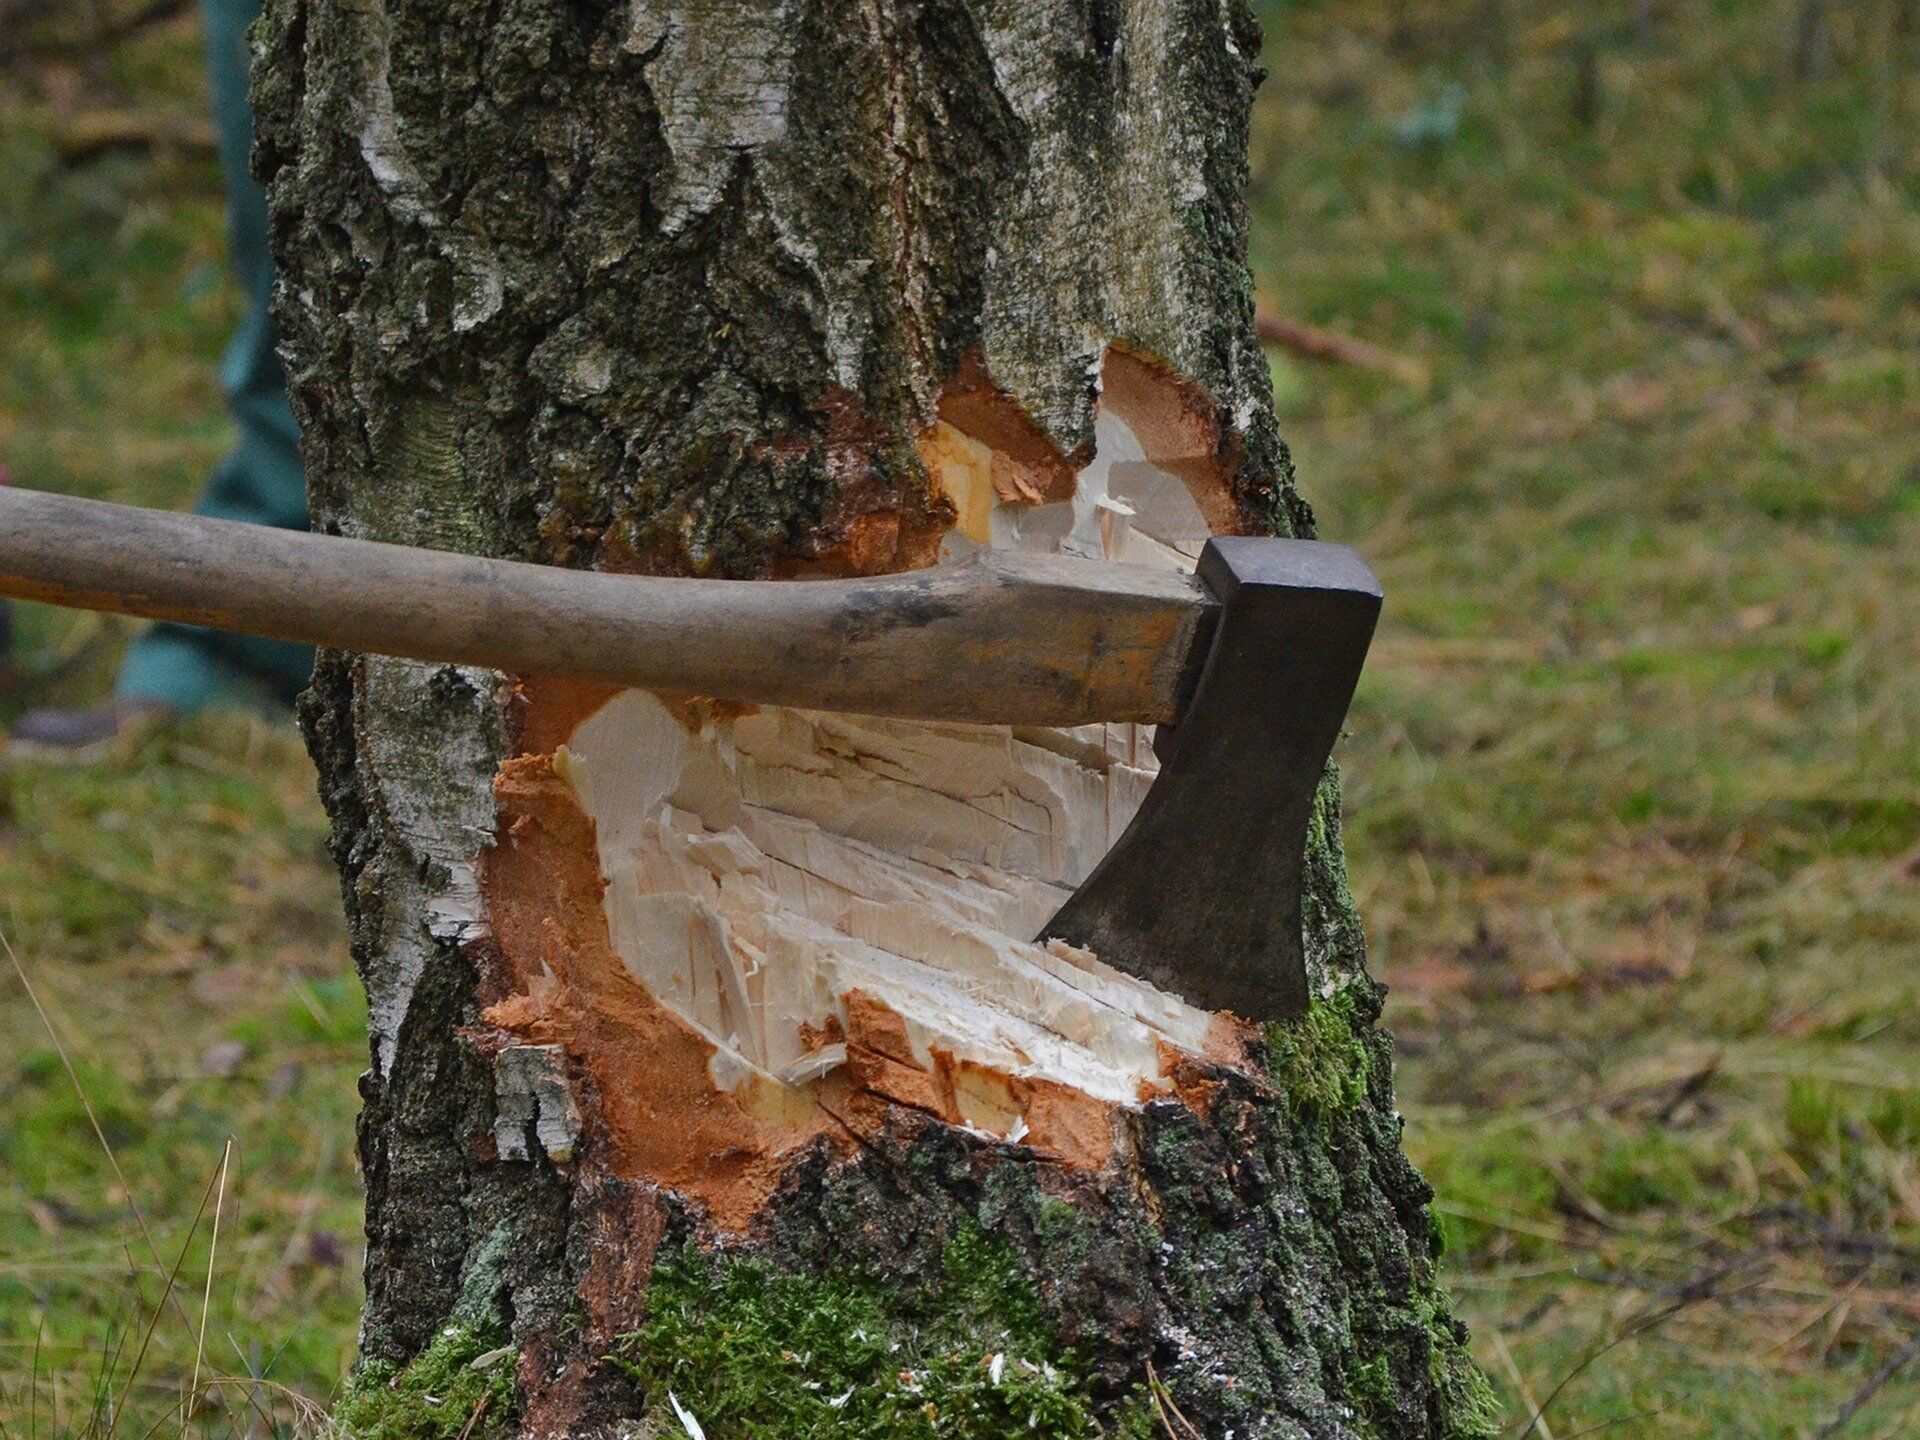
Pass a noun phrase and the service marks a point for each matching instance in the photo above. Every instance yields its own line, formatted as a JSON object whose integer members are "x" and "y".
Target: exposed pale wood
{"x": 760, "y": 870}
{"x": 776, "y": 879}
{"x": 1011, "y": 638}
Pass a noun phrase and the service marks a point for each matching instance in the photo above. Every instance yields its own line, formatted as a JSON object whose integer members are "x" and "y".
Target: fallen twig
{"x": 83, "y": 136}
{"x": 1876, "y": 1382}
{"x": 1311, "y": 341}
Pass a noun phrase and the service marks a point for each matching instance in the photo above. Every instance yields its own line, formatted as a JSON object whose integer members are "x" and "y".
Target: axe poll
{"x": 1246, "y": 667}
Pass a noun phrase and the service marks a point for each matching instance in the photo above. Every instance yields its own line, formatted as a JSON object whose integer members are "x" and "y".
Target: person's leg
{"x": 180, "y": 667}
{"x": 260, "y": 480}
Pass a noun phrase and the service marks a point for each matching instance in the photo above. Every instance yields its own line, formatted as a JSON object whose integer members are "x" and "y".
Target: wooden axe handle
{"x": 1000, "y": 638}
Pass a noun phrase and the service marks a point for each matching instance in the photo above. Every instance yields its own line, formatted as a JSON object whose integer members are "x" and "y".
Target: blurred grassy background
{"x": 1634, "y": 778}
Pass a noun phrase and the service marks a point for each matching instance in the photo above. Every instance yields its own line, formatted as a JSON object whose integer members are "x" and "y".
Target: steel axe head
{"x": 1201, "y": 895}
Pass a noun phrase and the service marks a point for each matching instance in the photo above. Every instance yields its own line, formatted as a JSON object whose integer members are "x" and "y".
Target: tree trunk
{"x": 714, "y": 1083}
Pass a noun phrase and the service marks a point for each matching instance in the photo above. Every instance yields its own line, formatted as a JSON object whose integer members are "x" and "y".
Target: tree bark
{"x": 787, "y": 288}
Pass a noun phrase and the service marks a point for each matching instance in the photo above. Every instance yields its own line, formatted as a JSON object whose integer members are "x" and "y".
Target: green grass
{"x": 174, "y": 912}
{"x": 1632, "y": 777}
{"x": 1632, "y": 773}
{"x": 172, "y": 904}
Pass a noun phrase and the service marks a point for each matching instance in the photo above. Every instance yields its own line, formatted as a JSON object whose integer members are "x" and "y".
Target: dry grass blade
{"x": 206, "y": 1296}
{"x": 33, "y": 1391}
{"x": 1168, "y": 1411}
{"x": 250, "y": 1384}
{"x": 173, "y": 1278}
{"x": 478, "y": 1411}
{"x": 1525, "y": 1391}
{"x": 110, "y": 1348}
{"x": 310, "y": 1417}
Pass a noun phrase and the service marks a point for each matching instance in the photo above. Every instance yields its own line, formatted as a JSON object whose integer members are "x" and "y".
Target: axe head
{"x": 1201, "y": 896}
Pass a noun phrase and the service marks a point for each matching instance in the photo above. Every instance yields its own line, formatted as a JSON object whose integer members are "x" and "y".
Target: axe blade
{"x": 1201, "y": 895}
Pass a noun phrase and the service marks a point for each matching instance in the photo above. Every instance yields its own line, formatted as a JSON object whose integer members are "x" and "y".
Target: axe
{"x": 1246, "y": 667}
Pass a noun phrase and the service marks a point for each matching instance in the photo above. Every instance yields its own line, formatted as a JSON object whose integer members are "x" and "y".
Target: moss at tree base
{"x": 459, "y": 1388}
{"x": 1320, "y": 1060}
{"x": 755, "y": 1354}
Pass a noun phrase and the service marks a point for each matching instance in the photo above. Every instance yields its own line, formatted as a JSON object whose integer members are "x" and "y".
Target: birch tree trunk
{"x": 714, "y": 1083}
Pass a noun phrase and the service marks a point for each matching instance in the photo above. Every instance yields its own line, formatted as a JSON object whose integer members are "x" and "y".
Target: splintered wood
{"x": 761, "y": 869}
{"x": 843, "y": 907}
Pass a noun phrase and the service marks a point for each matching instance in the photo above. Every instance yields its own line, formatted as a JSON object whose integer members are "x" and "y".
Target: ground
{"x": 1631, "y": 782}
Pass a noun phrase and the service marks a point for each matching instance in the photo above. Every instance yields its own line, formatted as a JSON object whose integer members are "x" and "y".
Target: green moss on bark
{"x": 1321, "y": 1060}
{"x": 754, "y": 1353}
{"x": 1469, "y": 1408}
{"x": 459, "y": 1388}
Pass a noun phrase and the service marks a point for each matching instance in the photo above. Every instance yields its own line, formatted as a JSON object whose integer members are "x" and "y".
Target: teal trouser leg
{"x": 260, "y": 480}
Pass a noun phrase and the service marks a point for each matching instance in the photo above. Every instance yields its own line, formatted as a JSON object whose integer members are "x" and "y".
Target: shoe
{"x": 70, "y": 731}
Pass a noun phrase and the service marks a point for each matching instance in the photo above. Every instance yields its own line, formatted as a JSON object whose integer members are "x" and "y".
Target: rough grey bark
{"x": 674, "y": 285}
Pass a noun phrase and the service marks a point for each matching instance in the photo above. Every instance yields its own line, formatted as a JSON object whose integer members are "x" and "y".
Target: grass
{"x": 1632, "y": 775}
{"x": 172, "y": 904}
{"x": 192, "y": 970}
